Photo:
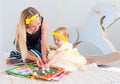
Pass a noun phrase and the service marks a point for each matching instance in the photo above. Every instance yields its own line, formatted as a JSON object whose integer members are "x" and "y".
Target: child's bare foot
{"x": 8, "y": 60}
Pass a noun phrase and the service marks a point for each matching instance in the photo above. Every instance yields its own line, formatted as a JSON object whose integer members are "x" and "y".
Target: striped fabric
{"x": 16, "y": 58}
{"x": 36, "y": 53}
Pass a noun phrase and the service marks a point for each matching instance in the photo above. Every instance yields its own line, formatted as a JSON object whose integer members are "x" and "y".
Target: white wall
{"x": 1, "y": 40}
{"x": 72, "y": 14}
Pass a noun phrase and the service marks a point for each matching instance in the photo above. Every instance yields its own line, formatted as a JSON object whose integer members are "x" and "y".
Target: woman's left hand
{"x": 39, "y": 62}
{"x": 45, "y": 60}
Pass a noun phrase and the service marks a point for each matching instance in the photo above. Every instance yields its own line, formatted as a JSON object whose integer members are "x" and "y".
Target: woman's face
{"x": 35, "y": 24}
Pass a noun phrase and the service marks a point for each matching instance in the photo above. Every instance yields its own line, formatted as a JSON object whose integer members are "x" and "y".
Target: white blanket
{"x": 92, "y": 75}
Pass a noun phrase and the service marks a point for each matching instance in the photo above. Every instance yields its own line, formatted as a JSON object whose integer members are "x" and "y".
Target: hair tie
{"x": 31, "y": 19}
{"x": 60, "y": 36}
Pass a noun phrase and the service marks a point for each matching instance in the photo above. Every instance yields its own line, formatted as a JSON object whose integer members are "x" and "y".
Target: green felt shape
{"x": 50, "y": 71}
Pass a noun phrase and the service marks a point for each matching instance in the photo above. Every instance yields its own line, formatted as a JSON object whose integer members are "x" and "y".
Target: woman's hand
{"x": 39, "y": 62}
{"x": 45, "y": 60}
{"x": 8, "y": 60}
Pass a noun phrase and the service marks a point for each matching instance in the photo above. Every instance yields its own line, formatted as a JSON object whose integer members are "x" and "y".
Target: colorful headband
{"x": 31, "y": 19}
{"x": 60, "y": 36}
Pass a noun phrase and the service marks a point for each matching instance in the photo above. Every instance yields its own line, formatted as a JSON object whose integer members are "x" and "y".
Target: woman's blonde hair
{"x": 20, "y": 38}
{"x": 63, "y": 30}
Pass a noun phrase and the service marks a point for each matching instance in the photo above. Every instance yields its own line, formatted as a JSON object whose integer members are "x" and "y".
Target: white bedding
{"x": 92, "y": 75}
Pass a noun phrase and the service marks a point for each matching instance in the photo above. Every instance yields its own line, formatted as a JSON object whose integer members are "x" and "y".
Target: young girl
{"x": 67, "y": 57}
{"x": 31, "y": 37}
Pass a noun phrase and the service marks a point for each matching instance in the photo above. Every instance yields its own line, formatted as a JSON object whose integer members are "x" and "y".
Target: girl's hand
{"x": 47, "y": 65}
{"x": 52, "y": 48}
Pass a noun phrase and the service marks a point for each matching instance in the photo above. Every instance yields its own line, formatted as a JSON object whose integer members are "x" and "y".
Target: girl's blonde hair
{"x": 63, "y": 30}
{"x": 20, "y": 37}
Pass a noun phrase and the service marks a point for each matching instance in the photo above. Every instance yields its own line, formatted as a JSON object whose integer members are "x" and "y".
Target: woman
{"x": 31, "y": 36}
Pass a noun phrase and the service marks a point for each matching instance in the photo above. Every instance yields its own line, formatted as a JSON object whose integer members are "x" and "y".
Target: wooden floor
{"x": 92, "y": 75}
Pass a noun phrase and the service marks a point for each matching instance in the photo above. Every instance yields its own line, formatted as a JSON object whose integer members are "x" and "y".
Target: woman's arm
{"x": 30, "y": 56}
{"x": 35, "y": 59}
{"x": 44, "y": 40}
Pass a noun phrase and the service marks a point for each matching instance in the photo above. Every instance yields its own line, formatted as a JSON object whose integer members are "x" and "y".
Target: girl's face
{"x": 58, "y": 42}
{"x": 35, "y": 24}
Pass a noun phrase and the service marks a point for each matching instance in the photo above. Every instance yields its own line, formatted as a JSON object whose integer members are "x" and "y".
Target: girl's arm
{"x": 52, "y": 48}
{"x": 55, "y": 58}
{"x": 44, "y": 41}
